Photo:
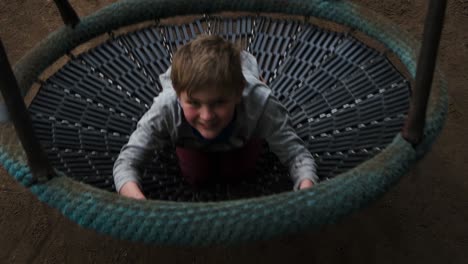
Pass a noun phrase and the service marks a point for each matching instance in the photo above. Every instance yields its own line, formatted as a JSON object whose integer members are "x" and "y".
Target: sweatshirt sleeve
{"x": 150, "y": 135}
{"x": 276, "y": 128}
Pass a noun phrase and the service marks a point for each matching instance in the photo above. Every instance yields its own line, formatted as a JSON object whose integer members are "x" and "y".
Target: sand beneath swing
{"x": 421, "y": 220}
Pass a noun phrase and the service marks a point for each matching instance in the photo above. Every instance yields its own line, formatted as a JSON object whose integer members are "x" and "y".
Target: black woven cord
{"x": 346, "y": 101}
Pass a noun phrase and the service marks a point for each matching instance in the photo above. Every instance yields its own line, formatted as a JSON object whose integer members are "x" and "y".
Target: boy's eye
{"x": 194, "y": 103}
{"x": 219, "y": 102}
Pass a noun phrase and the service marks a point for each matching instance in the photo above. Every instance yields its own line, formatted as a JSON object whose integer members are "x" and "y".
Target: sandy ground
{"x": 421, "y": 220}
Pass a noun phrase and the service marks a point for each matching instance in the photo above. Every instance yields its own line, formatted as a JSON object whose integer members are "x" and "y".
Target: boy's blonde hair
{"x": 208, "y": 62}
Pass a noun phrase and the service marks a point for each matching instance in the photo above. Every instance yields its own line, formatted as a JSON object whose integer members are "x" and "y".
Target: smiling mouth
{"x": 208, "y": 126}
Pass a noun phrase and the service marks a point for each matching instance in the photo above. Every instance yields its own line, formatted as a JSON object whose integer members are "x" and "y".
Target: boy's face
{"x": 209, "y": 111}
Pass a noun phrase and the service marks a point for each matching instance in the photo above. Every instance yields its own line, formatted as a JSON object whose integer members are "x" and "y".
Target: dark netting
{"x": 346, "y": 101}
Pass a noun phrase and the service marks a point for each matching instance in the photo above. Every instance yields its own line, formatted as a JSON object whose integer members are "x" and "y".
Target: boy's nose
{"x": 206, "y": 114}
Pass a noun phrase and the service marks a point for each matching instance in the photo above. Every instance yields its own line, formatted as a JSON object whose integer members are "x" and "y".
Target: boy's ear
{"x": 241, "y": 90}
{"x": 244, "y": 84}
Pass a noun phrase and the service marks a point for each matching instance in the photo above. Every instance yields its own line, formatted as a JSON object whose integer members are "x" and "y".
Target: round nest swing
{"x": 346, "y": 101}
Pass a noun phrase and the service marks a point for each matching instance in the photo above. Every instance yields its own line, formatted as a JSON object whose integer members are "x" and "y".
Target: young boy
{"x": 216, "y": 111}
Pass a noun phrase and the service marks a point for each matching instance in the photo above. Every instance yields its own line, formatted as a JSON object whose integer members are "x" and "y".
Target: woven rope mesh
{"x": 345, "y": 99}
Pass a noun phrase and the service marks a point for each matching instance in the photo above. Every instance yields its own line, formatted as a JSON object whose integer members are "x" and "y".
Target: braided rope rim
{"x": 197, "y": 224}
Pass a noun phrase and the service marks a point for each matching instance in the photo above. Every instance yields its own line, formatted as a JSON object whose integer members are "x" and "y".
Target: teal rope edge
{"x": 20, "y": 171}
{"x": 195, "y": 224}
{"x": 212, "y": 234}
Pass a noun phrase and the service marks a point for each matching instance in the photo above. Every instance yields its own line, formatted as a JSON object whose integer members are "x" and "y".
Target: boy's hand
{"x": 306, "y": 184}
{"x": 132, "y": 190}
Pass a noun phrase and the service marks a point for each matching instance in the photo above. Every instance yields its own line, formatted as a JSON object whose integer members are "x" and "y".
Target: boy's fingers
{"x": 306, "y": 184}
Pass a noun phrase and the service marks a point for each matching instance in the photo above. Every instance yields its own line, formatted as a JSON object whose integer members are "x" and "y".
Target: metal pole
{"x": 69, "y": 16}
{"x": 37, "y": 159}
{"x": 414, "y": 126}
